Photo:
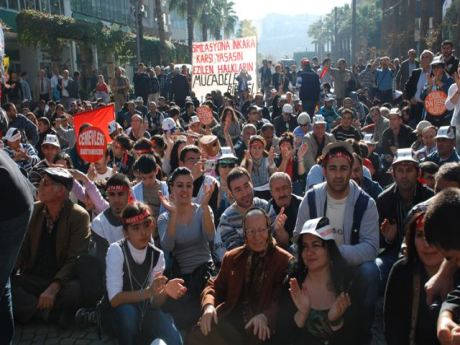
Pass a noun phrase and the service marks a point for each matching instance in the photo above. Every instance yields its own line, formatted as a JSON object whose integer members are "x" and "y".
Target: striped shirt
{"x": 27, "y": 163}
{"x": 229, "y": 233}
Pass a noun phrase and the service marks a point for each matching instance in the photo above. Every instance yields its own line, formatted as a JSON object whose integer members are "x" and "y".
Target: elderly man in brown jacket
{"x": 240, "y": 305}
{"x": 58, "y": 233}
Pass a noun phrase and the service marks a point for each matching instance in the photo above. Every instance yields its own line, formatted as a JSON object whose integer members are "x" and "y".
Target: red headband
{"x": 118, "y": 188}
{"x": 137, "y": 218}
{"x": 420, "y": 221}
{"x": 339, "y": 154}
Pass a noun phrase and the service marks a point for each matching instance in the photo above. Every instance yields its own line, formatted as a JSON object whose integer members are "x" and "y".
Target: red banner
{"x": 100, "y": 118}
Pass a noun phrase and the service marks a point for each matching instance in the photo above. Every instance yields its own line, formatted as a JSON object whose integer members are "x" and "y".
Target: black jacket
{"x": 390, "y": 206}
{"x": 410, "y": 88}
{"x": 405, "y": 138}
{"x": 403, "y": 74}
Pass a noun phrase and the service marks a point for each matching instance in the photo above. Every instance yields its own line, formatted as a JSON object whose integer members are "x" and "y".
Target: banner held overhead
{"x": 216, "y": 64}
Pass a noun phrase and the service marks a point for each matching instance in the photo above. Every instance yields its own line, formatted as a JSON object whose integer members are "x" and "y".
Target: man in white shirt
{"x": 453, "y": 103}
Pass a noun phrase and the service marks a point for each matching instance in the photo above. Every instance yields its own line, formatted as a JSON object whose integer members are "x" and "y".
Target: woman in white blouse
{"x": 453, "y": 103}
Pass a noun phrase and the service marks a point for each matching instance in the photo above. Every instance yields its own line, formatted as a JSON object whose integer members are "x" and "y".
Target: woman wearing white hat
{"x": 319, "y": 288}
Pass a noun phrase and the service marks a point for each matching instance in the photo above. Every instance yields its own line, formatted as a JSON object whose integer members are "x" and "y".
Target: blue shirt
{"x": 384, "y": 79}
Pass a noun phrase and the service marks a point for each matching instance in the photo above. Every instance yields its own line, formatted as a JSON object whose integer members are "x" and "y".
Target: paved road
{"x": 40, "y": 333}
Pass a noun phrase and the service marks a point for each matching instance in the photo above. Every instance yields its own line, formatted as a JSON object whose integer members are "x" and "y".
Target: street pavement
{"x": 40, "y": 333}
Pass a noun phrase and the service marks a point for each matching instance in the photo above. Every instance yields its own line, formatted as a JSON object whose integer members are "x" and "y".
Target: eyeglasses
{"x": 227, "y": 165}
{"x": 254, "y": 232}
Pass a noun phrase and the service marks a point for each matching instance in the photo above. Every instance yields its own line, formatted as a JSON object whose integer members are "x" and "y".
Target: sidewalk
{"x": 39, "y": 333}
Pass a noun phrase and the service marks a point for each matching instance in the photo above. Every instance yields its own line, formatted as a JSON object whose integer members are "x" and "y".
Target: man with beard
{"x": 394, "y": 204}
{"x": 230, "y": 233}
{"x": 353, "y": 215}
{"x": 369, "y": 186}
{"x": 285, "y": 204}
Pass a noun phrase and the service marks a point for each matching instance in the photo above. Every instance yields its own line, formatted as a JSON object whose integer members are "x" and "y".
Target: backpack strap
{"x": 311, "y": 203}
{"x": 358, "y": 213}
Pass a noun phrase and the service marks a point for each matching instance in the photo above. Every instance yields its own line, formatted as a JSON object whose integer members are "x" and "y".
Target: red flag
{"x": 100, "y": 118}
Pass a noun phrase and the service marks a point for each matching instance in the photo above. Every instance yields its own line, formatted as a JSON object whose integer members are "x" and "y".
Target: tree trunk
{"x": 190, "y": 13}
{"x": 424, "y": 24}
{"x": 457, "y": 36}
{"x": 204, "y": 26}
{"x": 161, "y": 28}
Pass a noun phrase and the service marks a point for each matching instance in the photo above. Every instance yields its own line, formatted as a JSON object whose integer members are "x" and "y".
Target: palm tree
{"x": 161, "y": 27}
{"x": 223, "y": 18}
{"x": 188, "y": 9}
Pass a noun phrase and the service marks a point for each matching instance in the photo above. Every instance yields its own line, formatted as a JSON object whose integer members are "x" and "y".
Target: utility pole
{"x": 336, "y": 41}
{"x": 353, "y": 32}
{"x": 139, "y": 13}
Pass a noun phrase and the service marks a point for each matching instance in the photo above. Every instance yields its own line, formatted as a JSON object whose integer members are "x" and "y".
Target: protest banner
{"x": 435, "y": 103}
{"x": 91, "y": 144}
{"x": 99, "y": 117}
{"x": 204, "y": 114}
{"x": 216, "y": 64}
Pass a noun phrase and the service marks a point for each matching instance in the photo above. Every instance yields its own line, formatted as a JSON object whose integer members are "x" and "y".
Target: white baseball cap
{"x": 303, "y": 118}
{"x": 319, "y": 227}
{"x": 168, "y": 124}
{"x": 287, "y": 108}
{"x": 318, "y": 119}
{"x": 13, "y": 134}
{"x": 446, "y": 132}
{"x": 113, "y": 127}
{"x": 51, "y": 139}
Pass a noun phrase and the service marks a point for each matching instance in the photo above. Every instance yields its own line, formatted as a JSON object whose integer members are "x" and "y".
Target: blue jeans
{"x": 11, "y": 235}
{"x": 130, "y": 329}
{"x": 384, "y": 263}
{"x": 364, "y": 294}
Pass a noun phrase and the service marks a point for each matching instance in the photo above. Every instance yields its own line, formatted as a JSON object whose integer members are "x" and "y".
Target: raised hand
{"x": 388, "y": 230}
{"x": 271, "y": 154}
{"x": 280, "y": 220}
{"x": 247, "y": 156}
{"x": 167, "y": 203}
{"x": 259, "y": 324}
{"x": 302, "y": 151}
{"x": 339, "y": 307}
{"x": 300, "y": 296}
{"x": 208, "y": 190}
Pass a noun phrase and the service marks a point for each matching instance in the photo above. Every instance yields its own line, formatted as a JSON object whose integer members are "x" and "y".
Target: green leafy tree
{"x": 246, "y": 29}
{"x": 190, "y": 10}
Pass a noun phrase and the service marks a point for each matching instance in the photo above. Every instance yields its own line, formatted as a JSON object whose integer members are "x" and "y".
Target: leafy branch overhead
{"x": 52, "y": 31}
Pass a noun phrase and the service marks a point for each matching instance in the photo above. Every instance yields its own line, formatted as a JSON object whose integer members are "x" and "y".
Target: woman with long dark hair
{"x": 185, "y": 231}
{"x": 408, "y": 319}
{"x": 319, "y": 287}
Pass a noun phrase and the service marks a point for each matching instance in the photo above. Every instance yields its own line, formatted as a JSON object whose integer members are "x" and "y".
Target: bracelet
{"x": 336, "y": 323}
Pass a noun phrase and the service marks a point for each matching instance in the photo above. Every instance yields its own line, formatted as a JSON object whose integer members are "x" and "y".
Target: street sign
{"x": 91, "y": 144}
{"x": 435, "y": 103}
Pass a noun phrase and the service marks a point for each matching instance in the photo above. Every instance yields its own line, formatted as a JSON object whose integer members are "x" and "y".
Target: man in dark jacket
{"x": 394, "y": 204}
{"x": 415, "y": 84}
{"x": 309, "y": 87}
{"x": 180, "y": 88}
{"x": 58, "y": 233}
{"x": 286, "y": 122}
{"x": 397, "y": 135}
{"x": 16, "y": 202}
{"x": 406, "y": 69}
{"x": 141, "y": 82}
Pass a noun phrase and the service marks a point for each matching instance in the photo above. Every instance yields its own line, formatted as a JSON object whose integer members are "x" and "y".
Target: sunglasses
{"x": 227, "y": 165}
